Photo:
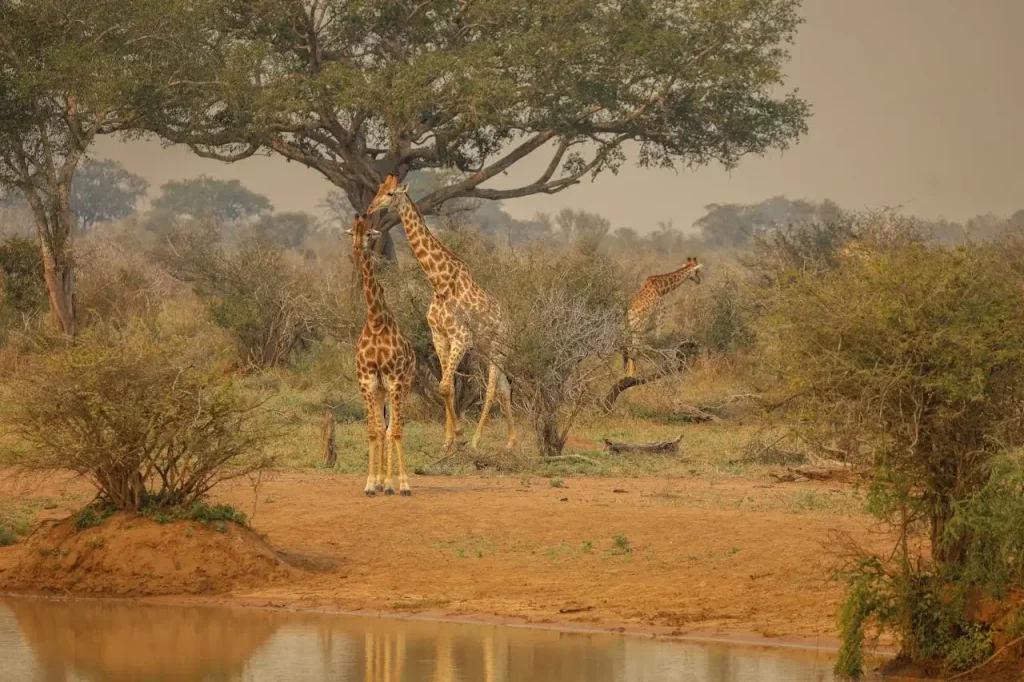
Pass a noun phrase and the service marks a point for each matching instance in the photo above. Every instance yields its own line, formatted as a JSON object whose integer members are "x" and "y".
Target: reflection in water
{"x": 44, "y": 640}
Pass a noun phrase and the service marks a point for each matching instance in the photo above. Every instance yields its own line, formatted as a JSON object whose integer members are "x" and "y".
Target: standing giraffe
{"x": 385, "y": 365}
{"x": 646, "y": 303}
{"x": 461, "y": 314}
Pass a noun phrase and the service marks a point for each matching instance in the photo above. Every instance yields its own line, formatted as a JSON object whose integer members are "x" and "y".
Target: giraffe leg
{"x": 456, "y": 349}
{"x": 381, "y": 396}
{"x": 373, "y": 431}
{"x": 395, "y": 441}
{"x": 442, "y": 348}
{"x": 505, "y": 399}
{"x": 485, "y": 411}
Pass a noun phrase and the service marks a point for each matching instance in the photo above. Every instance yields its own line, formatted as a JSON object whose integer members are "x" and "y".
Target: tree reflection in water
{"x": 120, "y": 641}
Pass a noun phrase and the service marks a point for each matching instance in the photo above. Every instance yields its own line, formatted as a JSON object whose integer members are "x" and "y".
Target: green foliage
{"x": 725, "y": 315}
{"x": 134, "y": 411}
{"x": 917, "y": 351}
{"x": 989, "y": 527}
{"x": 104, "y": 191}
{"x": 22, "y": 289}
{"x": 909, "y": 357}
{"x": 211, "y": 199}
{"x": 739, "y": 225}
{"x": 690, "y": 81}
{"x": 622, "y": 544}
{"x": 197, "y": 510}
{"x": 285, "y": 230}
{"x": 927, "y": 612}
{"x": 93, "y": 515}
{"x": 7, "y": 536}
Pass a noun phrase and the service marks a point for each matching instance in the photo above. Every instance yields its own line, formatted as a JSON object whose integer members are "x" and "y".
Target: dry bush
{"x": 128, "y": 408}
{"x": 118, "y": 281}
{"x": 265, "y": 299}
{"x": 566, "y": 314}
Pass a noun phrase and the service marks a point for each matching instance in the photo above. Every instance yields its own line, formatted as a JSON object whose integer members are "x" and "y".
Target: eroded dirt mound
{"x": 135, "y": 556}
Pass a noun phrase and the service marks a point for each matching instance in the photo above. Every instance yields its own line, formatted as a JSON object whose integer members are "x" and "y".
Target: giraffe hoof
{"x": 389, "y": 491}
{"x": 379, "y": 487}
{"x": 406, "y": 493}
{"x": 369, "y": 493}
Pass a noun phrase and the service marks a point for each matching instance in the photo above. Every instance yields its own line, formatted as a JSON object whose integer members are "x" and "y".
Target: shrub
{"x": 22, "y": 287}
{"x": 253, "y": 291}
{"x": 566, "y": 314}
{"x": 913, "y": 355}
{"x": 124, "y": 408}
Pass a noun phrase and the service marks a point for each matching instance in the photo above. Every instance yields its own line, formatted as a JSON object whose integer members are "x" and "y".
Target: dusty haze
{"x": 915, "y": 102}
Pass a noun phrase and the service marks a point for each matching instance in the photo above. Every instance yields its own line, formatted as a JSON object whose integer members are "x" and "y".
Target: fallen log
{"x": 661, "y": 447}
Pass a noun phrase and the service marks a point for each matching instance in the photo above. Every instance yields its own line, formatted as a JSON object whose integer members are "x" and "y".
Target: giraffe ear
{"x": 404, "y": 188}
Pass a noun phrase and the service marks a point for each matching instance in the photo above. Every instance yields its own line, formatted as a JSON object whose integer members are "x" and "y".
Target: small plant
{"x": 197, "y": 511}
{"x": 587, "y": 547}
{"x": 557, "y": 483}
{"x": 93, "y": 515}
{"x": 622, "y": 544}
{"x": 7, "y": 536}
{"x": 95, "y": 544}
{"x": 970, "y": 649}
{"x": 220, "y": 526}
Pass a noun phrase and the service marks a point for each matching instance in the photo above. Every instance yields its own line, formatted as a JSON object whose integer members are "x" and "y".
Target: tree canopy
{"x": 359, "y": 88}
{"x": 104, "y": 191}
{"x": 69, "y": 71}
{"x": 206, "y": 197}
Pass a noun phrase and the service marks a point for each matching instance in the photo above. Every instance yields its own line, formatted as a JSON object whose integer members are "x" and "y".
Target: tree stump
{"x": 329, "y": 448}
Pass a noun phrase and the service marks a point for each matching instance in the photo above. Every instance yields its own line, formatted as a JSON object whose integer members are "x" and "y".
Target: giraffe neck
{"x": 670, "y": 281}
{"x": 439, "y": 264}
{"x": 377, "y": 313}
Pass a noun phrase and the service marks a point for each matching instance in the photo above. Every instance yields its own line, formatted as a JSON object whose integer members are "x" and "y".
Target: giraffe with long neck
{"x": 461, "y": 314}
{"x": 647, "y": 301}
{"x": 385, "y": 367}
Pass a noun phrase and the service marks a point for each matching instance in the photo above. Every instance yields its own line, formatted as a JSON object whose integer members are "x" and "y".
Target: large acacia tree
{"x": 71, "y": 70}
{"x": 357, "y": 89}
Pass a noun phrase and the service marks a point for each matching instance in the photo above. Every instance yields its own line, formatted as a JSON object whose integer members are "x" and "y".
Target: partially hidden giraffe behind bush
{"x": 385, "y": 366}
{"x": 461, "y": 314}
{"x": 646, "y": 303}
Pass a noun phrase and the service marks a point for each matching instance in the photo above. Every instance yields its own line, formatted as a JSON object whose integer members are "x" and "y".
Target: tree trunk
{"x": 549, "y": 439}
{"x": 54, "y": 225}
{"x": 59, "y": 276}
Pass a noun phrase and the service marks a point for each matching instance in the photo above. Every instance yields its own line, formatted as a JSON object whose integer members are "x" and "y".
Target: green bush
{"x": 913, "y": 357}
{"x": 197, "y": 510}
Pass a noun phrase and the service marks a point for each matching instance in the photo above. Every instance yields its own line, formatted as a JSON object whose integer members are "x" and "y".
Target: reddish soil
{"x": 129, "y": 555}
{"x": 475, "y": 547}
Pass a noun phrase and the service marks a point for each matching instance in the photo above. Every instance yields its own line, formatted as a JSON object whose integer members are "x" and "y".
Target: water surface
{"x": 105, "y": 641}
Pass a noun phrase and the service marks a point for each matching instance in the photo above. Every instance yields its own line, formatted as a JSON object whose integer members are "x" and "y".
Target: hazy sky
{"x": 915, "y": 102}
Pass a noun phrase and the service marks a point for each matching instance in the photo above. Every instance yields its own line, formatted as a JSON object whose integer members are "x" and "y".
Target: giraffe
{"x": 385, "y": 365}
{"x": 646, "y": 303}
{"x": 461, "y": 314}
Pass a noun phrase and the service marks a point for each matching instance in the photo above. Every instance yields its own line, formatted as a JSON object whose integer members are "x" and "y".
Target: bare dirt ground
{"x": 671, "y": 556}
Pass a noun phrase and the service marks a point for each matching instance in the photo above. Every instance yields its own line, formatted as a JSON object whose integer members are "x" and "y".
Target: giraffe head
{"x": 360, "y": 230}
{"x": 386, "y": 193}
{"x": 693, "y": 269}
